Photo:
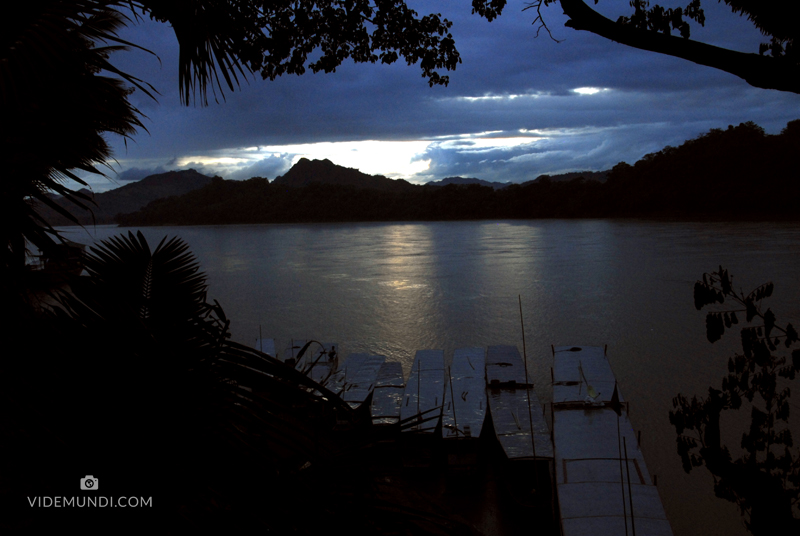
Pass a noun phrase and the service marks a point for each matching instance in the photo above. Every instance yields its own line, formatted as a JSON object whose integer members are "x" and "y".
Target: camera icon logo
{"x": 89, "y": 483}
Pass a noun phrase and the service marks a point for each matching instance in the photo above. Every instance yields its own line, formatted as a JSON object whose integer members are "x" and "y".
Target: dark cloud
{"x": 653, "y": 100}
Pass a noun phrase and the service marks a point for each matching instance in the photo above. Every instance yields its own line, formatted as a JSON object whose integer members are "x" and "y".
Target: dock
{"x": 602, "y": 480}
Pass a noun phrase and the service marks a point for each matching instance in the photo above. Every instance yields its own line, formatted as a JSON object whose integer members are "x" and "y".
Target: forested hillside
{"x": 737, "y": 173}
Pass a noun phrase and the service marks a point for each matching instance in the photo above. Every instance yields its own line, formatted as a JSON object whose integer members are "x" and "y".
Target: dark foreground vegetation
{"x": 129, "y": 375}
{"x": 738, "y": 173}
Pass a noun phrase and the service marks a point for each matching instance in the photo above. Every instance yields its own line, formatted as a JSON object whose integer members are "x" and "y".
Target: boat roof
{"x": 467, "y": 383}
{"x": 425, "y": 389}
{"x": 575, "y": 369}
{"x": 504, "y": 365}
{"x": 361, "y": 371}
{"x": 388, "y": 394}
{"x": 515, "y": 408}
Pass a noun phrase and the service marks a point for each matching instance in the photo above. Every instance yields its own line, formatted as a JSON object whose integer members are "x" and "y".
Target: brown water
{"x": 396, "y": 288}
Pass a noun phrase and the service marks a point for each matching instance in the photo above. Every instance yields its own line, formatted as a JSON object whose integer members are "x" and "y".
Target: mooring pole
{"x": 630, "y": 495}
{"x": 528, "y": 391}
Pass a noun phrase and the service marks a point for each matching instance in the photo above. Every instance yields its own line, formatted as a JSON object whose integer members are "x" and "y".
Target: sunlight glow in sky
{"x": 589, "y": 90}
{"x": 395, "y": 159}
{"x": 496, "y": 97}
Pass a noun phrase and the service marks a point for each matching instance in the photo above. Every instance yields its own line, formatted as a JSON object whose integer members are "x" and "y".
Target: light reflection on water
{"x": 397, "y": 288}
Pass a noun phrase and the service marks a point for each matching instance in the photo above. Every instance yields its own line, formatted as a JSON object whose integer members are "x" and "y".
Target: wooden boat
{"x": 601, "y": 478}
{"x": 465, "y": 394}
{"x": 424, "y": 392}
{"x": 388, "y": 394}
{"x": 516, "y": 412}
{"x": 465, "y": 406}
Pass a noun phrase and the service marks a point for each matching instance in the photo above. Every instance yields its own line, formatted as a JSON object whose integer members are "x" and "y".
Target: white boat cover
{"x": 467, "y": 383}
{"x": 575, "y": 373}
{"x": 514, "y": 406}
{"x": 590, "y": 438}
{"x": 424, "y": 390}
{"x": 388, "y": 395}
{"x": 361, "y": 371}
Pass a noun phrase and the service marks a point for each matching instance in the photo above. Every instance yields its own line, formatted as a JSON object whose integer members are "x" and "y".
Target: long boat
{"x": 602, "y": 480}
{"x": 424, "y": 392}
{"x": 517, "y": 414}
{"x": 465, "y": 406}
{"x": 465, "y": 394}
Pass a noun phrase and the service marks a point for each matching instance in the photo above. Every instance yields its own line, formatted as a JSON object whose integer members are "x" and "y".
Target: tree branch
{"x": 760, "y": 71}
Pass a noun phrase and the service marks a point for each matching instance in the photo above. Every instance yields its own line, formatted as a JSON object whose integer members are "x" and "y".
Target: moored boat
{"x": 424, "y": 392}
{"x": 602, "y": 480}
{"x": 516, "y": 412}
{"x": 465, "y": 406}
{"x": 388, "y": 394}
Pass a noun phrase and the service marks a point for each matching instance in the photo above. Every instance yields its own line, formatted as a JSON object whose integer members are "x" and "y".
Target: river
{"x": 394, "y": 288}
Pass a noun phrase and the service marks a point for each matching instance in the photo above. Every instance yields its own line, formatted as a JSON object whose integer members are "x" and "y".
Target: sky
{"x": 518, "y": 105}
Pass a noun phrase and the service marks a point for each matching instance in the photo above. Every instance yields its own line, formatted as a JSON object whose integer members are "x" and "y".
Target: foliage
{"x": 765, "y": 481}
{"x": 136, "y": 376}
{"x": 221, "y": 38}
{"x": 732, "y": 173}
{"x": 55, "y": 54}
{"x": 55, "y": 109}
{"x": 650, "y": 28}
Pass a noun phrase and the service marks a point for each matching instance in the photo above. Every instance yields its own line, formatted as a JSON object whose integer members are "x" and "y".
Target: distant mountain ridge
{"x": 306, "y": 172}
{"x": 736, "y": 174}
{"x": 462, "y": 181}
{"x": 128, "y": 198}
{"x": 599, "y": 176}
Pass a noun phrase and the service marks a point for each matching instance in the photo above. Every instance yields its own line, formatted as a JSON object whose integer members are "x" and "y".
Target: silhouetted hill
{"x": 306, "y": 172}
{"x": 599, "y": 176}
{"x": 738, "y": 173}
{"x": 128, "y": 198}
{"x": 461, "y": 181}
